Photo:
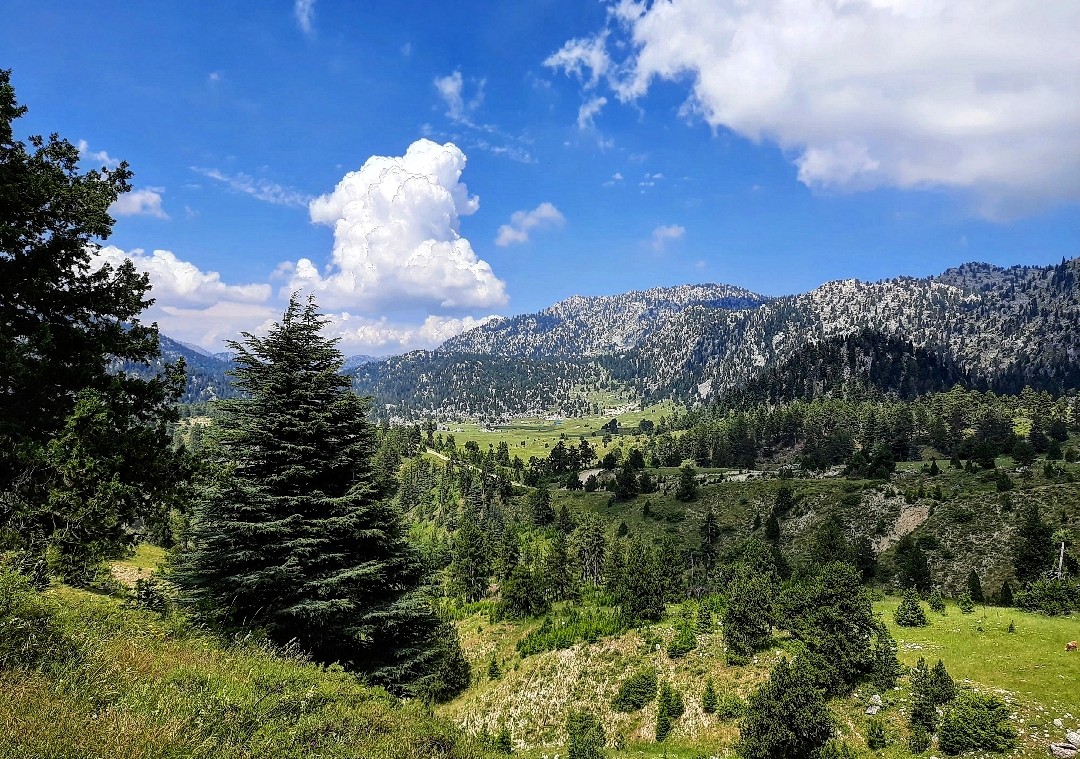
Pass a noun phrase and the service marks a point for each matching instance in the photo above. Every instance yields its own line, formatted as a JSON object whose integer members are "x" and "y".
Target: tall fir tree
{"x": 288, "y": 532}
{"x": 1033, "y": 551}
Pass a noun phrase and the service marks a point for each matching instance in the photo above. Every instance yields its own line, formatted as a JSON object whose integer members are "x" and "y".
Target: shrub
{"x": 30, "y": 632}
{"x": 786, "y": 717}
{"x": 967, "y": 606}
{"x": 708, "y": 698}
{"x": 875, "y": 734}
{"x": 910, "y": 612}
{"x": 919, "y": 740}
{"x": 563, "y": 632}
{"x": 942, "y": 688}
{"x": 975, "y": 721}
{"x": 936, "y": 602}
{"x": 729, "y": 707}
{"x": 636, "y": 691}
{"x": 835, "y": 749}
{"x": 669, "y": 707}
{"x": 585, "y": 736}
{"x": 683, "y": 643}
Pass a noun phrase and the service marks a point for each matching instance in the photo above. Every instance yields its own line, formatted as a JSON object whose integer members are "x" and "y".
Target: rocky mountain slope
{"x": 992, "y": 327}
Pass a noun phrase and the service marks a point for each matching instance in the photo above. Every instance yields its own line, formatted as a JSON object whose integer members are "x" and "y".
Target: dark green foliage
{"x": 503, "y": 741}
{"x": 85, "y": 452}
{"x": 585, "y": 736}
{"x": 684, "y": 641}
{"x": 669, "y": 707}
{"x": 637, "y": 579}
{"x": 288, "y": 533}
{"x": 493, "y": 668}
{"x": 523, "y": 595}
{"x": 885, "y": 668}
{"x": 1032, "y": 549}
{"x": 469, "y": 564}
{"x": 975, "y": 587}
{"x": 875, "y": 734}
{"x": 965, "y": 604}
{"x": 833, "y": 617}
{"x": 540, "y": 508}
{"x": 976, "y": 722}
{"x": 1012, "y": 627}
{"x": 747, "y": 618}
{"x": 636, "y": 691}
{"x": 919, "y": 740}
{"x": 942, "y": 688}
{"x": 687, "y": 488}
{"x": 152, "y": 594}
{"x": 30, "y": 633}
{"x": 730, "y": 706}
{"x": 923, "y": 710}
{"x": 772, "y": 529}
{"x": 936, "y": 602}
{"x": 786, "y": 717}
{"x": 910, "y": 612}
{"x": 1053, "y": 597}
{"x": 708, "y": 697}
{"x": 449, "y": 673}
{"x": 1005, "y": 595}
{"x": 912, "y": 565}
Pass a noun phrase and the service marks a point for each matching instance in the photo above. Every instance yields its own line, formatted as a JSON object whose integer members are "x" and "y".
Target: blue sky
{"x": 423, "y": 165}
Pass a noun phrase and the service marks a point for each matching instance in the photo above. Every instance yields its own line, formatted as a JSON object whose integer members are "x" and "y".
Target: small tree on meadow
{"x": 910, "y": 612}
{"x": 585, "y": 736}
{"x": 786, "y": 717}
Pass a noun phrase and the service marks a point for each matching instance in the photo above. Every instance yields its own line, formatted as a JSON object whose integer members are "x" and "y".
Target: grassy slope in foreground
{"x": 137, "y": 687}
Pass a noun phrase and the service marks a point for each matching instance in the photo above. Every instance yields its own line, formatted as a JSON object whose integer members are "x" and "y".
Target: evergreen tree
{"x": 708, "y": 698}
{"x": 469, "y": 565}
{"x": 772, "y": 529}
{"x": 687, "y": 488}
{"x": 1005, "y": 595}
{"x": 585, "y": 736}
{"x": 923, "y": 710}
{"x": 942, "y": 687}
{"x": 1033, "y": 551}
{"x": 747, "y": 618}
{"x": 84, "y": 448}
{"x": 786, "y": 717}
{"x": 540, "y": 506}
{"x": 886, "y": 667}
{"x": 910, "y": 612}
{"x": 287, "y": 532}
{"x": 975, "y": 587}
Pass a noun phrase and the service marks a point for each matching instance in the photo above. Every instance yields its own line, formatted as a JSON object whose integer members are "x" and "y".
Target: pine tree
{"x": 942, "y": 687}
{"x": 708, "y": 698}
{"x": 786, "y": 717}
{"x": 287, "y": 532}
{"x": 1033, "y": 552}
{"x": 922, "y": 697}
{"x": 84, "y": 447}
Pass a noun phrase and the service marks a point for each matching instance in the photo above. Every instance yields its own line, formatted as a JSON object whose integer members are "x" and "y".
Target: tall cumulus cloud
{"x": 397, "y": 239}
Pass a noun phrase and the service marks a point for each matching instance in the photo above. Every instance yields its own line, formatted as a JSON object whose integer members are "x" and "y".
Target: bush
{"x": 835, "y": 749}
{"x": 975, "y": 721}
{"x": 669, "y": 707}
{"x": 729, "y": 707}
{"x": 875, "y": 734}
{"x": 786, "y": 717}
{"x": 636, "y": 691}
{"x": 30, "y": 632}
{"x": 936, "y": 602}
{"x": 885, "y": 667}
{"x": 708, "y": 698}
{"x": 967, "y": 606}
{"x": 683, "y": 643}
{"x": 585, "y": 736}
{"x": 919, "y": 740}
{"x": 563, "y": 632}
{"x": 910, "y": 612}
{"x": 942, "y": 688}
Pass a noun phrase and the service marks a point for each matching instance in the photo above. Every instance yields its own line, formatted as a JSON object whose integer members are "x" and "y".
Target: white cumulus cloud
{"x": 397, "y": 240}
{"x": 193, "y": 305}
{"x": 664, "y": 234}
{"x": 981, "y": 97}
{"x": 358, "y": 334}
{"x": 143, "y": 202}
{"x": 521, "y": 223}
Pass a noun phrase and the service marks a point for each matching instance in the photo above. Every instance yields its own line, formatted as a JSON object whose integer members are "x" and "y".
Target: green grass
{"x": 536, "y": 436}
{"x": 138, "y": 687}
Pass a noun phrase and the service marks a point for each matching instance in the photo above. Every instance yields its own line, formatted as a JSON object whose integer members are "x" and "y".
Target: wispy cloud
{"x": 260, "y": 189}
{"x": 662, "y": 235}
{"x": 589, "y": 110}
{"x": 98, "y": 156}
{"x": 304, "y": 10}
